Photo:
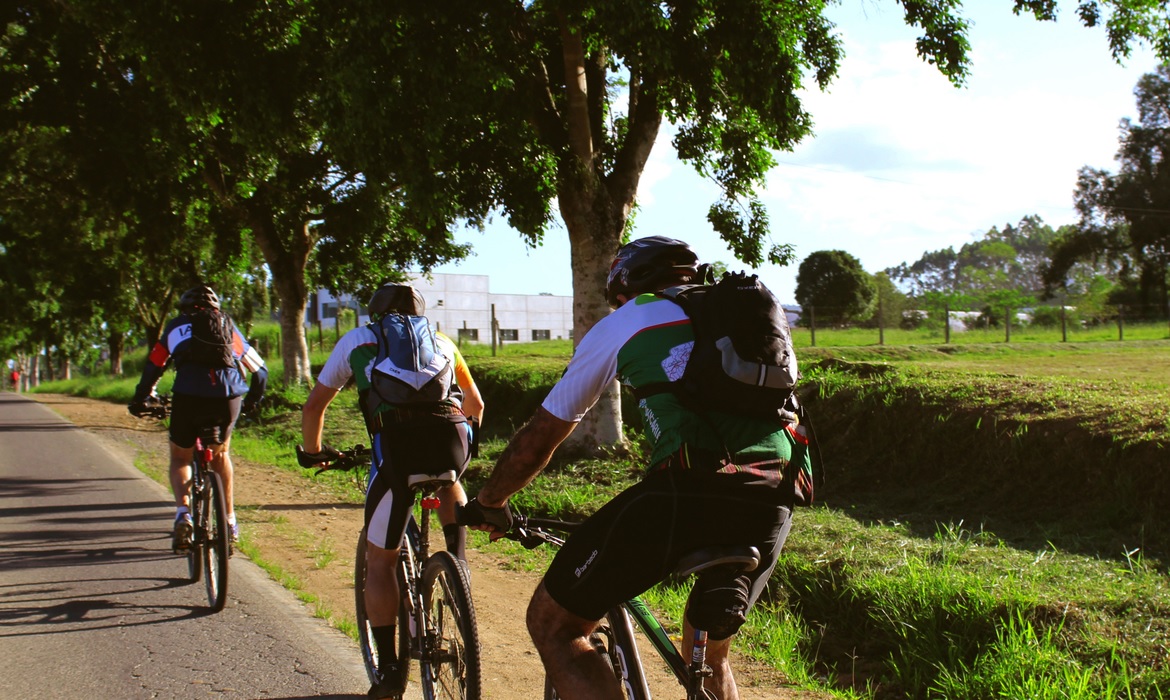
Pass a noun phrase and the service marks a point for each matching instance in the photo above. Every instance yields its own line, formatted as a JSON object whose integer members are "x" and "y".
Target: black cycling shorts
{"x": 190, "y": 414}
{"x": 636, "y": 540}
{"x": 430, "y": 445}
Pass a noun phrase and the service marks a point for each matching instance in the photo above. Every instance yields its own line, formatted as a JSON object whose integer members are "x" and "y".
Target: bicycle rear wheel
{"x": 450, "y": 666}
{"x": 216, "y": 542}
{"x": 365, "y": 633}
{"x": 614, "y": 642}
{"x": 194, "y": 552}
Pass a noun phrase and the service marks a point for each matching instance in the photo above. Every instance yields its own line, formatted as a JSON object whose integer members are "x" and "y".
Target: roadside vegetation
{"x": 990, "y": 520}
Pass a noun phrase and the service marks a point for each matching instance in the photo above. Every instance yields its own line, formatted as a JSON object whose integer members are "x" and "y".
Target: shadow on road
{"x": 21, "y": 615}
{"x": 38, "y": 428}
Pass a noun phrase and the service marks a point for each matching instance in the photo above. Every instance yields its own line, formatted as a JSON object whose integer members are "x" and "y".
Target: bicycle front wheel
{"x": 365, "y": 633}
{"x": 217, "y": 543}
{"x": 451, "y": 658}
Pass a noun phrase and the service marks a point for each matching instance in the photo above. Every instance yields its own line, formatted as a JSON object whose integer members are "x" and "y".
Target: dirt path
{"x": 301, "y": 527}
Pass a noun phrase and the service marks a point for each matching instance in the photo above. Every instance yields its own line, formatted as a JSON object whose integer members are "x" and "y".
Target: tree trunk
{"x": 595, "y": 205}
{"x": 49, "y": 376}
{"x": 117, "y": 344}
{"x": 593, "y": 243}
{"x": 294, "y": 349}
{"x": 287, "y": 265}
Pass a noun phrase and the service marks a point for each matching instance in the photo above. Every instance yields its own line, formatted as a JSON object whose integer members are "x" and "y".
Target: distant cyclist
{"x": 691, "y": 497}
{"x": 210, "y": 357}
{"x": 405, "y": 439}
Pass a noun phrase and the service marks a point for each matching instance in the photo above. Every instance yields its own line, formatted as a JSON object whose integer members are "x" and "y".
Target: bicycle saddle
{"x": 740, "y": 557}
{"x": 430, "y": 482}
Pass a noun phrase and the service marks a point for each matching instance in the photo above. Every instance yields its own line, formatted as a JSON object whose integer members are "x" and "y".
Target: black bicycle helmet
{"x": 393, "y": 297}
{"x": 198, "y": 297}
{"x": 649, "y": 264}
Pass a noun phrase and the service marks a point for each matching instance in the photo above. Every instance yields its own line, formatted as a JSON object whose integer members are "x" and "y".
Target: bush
{"x": 1053, "y": 316}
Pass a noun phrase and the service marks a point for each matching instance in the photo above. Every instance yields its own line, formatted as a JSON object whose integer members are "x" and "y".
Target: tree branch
{"x": 644, "y": 122}
{"x": 577, "y": 91}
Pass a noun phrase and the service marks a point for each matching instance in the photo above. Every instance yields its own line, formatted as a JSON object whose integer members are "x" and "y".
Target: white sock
{"x": 231, "y": 518}
{"x": 180, "y": 512}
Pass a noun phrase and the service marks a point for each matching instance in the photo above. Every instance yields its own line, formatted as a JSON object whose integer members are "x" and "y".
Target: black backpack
{"x": 211, "y": 339}
{"x": 742, "y": 362}
{"x": 409, "y": 369}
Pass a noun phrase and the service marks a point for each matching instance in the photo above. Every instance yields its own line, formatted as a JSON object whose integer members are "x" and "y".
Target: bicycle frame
{"x": 436, "y": 617}
{"x": 627, "y": 660}
{"x": 211, "y": 546}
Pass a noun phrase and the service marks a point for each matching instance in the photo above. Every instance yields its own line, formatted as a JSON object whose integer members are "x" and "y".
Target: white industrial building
{"x": 461, "y": 306}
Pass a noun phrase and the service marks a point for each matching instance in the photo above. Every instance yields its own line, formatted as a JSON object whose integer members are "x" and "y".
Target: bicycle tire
{"x": 450, "y": 665}
{"x": 217, "y": 545}
{"x": 194, "y": 553}
{"x": 365, "y": 634}
{"x": 614, "y": 641}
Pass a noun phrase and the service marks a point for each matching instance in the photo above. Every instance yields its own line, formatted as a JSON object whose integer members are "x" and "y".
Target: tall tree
{"x": 1011, "y": 258}
{"x": 92, "y": 177}
{"x": 835, "y": 285}
{"x": 1124, "y": 216}
{"x": 231, "y": 110}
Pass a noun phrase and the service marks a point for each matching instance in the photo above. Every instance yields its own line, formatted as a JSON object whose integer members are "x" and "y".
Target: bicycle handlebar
{"x": 533, "y": 532}
{"x": 334, "y": 460}
{"x": 160, "y": 409}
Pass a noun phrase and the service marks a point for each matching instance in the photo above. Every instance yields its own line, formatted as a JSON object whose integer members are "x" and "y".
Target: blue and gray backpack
{"x": 410, "y": 370}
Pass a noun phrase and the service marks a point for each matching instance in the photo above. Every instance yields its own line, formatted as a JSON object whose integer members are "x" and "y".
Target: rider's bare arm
{"x": 526, "y": 455}
{"x": 313, "y": 416}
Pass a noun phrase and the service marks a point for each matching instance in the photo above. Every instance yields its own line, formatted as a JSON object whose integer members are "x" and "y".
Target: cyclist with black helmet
{"x": 206, "y": 392}
{"x": 692, "y": 495}
{"x": 437, "y": 437}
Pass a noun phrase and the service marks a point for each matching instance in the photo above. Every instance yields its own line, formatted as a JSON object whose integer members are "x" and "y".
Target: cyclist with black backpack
{"x": 418, "y": 399}
{"x": 720, "y": 473}
{"x": 210, "y": 357}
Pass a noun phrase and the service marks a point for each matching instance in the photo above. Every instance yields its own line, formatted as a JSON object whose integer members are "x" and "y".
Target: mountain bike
{"x": 436, "y": 616}
{"x": 211, "y": 545}
{"x": 614, "y": 638}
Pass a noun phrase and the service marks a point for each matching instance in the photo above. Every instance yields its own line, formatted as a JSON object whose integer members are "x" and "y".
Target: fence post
{"x": 495, "y": 330}
{"x": 1063, "y": 324}
{"x": 812, "y": 325}
{"x": 881, "y": 322}
{"x": 947, "y": 324}
{"x": 1007, "y": 324}
{"x": 1120, "y": 324}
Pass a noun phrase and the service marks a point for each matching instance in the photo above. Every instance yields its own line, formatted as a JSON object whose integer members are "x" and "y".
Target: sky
{"x": 901, "y": 162}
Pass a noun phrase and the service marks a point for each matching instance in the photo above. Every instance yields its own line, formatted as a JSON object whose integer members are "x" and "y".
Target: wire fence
{"x": 815, "y": 326}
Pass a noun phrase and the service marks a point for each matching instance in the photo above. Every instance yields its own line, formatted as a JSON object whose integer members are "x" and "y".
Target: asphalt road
{"x": 94, "y": 605}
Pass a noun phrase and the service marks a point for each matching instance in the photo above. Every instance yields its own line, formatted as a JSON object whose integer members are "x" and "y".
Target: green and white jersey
{"x": 649, "y": 340}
